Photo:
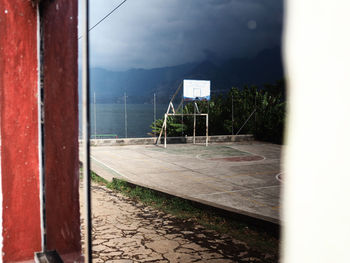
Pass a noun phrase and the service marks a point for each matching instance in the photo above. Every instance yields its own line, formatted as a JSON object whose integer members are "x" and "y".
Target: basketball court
{"x": 240, "y": 177}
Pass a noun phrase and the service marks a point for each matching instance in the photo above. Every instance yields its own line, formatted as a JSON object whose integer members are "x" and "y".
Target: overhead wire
{"x": 107, "y": 15}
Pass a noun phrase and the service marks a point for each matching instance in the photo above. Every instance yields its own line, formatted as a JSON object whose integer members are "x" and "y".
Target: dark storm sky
{"x": 158, "y": 33}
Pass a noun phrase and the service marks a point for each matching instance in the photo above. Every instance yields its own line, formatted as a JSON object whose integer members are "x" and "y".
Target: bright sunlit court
{"x": 242, "y": 177}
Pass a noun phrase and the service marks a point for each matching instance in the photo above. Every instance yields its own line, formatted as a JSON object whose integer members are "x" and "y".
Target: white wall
{"x": 317, "y": 182}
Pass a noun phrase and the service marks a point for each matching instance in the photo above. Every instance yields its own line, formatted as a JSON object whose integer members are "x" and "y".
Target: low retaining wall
{"x": 152, "y": 140}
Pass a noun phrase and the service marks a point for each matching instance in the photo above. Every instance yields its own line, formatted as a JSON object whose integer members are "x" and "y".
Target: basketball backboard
{"x": 196, "y": 89}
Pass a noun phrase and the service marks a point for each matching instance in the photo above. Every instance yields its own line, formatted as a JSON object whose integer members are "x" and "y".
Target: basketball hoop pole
{"x": 206, "y": 130}
{"x": 194, "y": 123}
{"x": 166, "y": 115}
{"x": 191, "y": 96}
{"x": 165, "y": 120}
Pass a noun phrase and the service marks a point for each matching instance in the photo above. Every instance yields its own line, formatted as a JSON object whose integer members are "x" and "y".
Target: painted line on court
{"x": 264, "y": 158}
{"x": 200, "y": 180}
{"x": 219, "y": 189}
{"x": 251, "y": 174}
{"x": 110, "y": 168}
{"x": 199, "y": 156}
{"x": 242, "y": 190}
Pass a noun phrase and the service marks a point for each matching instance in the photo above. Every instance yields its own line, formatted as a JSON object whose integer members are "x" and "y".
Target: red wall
{"x": 19, "y": 130}
{"x": 61, "y": 125}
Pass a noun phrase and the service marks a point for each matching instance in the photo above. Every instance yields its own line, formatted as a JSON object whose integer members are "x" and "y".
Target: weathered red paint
{"x": 61, "y": 126}
{"x": 19, "y": 130}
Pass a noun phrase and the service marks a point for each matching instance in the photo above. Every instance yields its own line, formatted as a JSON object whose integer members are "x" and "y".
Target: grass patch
{"x": 98, "y": 179}
{"x": 255, "y": 237}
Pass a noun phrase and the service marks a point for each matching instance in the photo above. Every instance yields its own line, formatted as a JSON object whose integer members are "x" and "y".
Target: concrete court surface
{"x": 238, "y": 177}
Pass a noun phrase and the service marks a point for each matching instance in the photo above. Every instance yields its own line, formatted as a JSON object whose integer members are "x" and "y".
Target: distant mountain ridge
{"x": 140, "y": 84}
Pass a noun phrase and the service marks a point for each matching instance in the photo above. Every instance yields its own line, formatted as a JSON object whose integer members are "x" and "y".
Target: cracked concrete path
{"x": 127, "y": 231}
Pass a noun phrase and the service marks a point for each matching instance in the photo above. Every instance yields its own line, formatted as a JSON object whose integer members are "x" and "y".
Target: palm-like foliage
{"x": 266, "y": 123}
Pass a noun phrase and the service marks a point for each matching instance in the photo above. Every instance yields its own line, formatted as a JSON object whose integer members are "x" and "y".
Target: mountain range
{"x": 141, "y": 84}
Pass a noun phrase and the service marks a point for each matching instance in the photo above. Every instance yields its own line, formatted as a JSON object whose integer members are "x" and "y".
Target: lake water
{"x": 110, "y": 119}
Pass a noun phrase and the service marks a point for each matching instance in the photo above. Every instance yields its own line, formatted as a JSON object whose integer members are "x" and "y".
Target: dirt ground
{"x": 127, "y": 231}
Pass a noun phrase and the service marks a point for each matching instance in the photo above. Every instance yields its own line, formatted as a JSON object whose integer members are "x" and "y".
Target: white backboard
{"x": 196, "y": 89}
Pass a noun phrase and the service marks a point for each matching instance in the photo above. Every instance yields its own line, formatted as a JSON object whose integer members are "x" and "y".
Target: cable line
{"x": 99, "y": 22}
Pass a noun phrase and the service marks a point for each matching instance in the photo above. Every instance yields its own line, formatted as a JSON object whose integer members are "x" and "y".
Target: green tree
{"x": 174, "y": 128}
{"x": 265, "y": 106}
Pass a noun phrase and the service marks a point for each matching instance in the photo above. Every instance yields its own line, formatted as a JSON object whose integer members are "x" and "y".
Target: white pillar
{"x": 316, "y": 197}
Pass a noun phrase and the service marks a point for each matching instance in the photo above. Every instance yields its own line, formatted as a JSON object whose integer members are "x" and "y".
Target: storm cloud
{"x": 158, "y": 33}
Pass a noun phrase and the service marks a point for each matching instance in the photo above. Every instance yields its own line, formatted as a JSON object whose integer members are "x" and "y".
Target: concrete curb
{"x": 170, "y": 140}
{"x": 270, "y": 224}
{"x": 258, "y": 219}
